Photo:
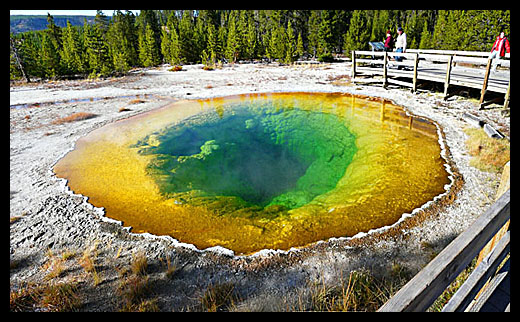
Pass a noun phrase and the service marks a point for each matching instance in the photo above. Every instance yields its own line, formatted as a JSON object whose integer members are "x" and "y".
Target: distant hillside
{"x": 22, "y": 23}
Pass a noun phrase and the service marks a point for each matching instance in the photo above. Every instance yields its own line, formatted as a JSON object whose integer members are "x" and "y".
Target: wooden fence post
{"x": 484, "y": 84}
{"x": 353, "y": 64}
{"x": 385, "y": 63}
{"x": 416, "y": 65}
{"x": 506, "y": 98}
{"x": 448, "y": 74}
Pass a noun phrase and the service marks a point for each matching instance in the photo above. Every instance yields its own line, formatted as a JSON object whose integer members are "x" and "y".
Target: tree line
{"x": 114, "y": 45}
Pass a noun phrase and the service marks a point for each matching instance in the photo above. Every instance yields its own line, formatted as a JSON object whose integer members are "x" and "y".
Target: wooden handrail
{"x": 413, "y": 56}
{"x": 454, "y": 52}
{"x": 425, "y": 287}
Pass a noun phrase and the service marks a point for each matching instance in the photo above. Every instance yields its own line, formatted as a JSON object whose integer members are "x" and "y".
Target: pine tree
{"x": 148, "y": 51}
{"x": 186, "y": 41}
{"x": 29, "y": 52}
{"x": 200, "y": 33}
{"x": 53, "y": 32}
{"x": 17, "y": 64}
{"x": 380, "y": 25}
{"x": 250, "y": 38}
{"x": 120, "y": 42}
{"x": 221, "y": 42}
{"x": 290, "y": 54}
{"x": 358, "y": 34}
{"x": 314, "y": 24}
{"x": 299, "y": 46}
{"x": 325, "y": 33}
{"x": 97, "y": 52}
{"x": 425, "y": 37}
{"x": 278, "y": 43}
{"x": 72, "y": 53}
{"x": 148, "y": 38}
{"x": 232, "y": 44}
{"x": 49, "y": 58}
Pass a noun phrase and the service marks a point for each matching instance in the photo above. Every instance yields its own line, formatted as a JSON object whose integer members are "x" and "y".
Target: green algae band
{"x": 251, "y": 172}
{"x": 263, "y": 156}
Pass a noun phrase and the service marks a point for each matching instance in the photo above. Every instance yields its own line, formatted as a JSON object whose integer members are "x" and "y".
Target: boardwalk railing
{"x": 425, "y": 287}
{"x": 431, "y": 65}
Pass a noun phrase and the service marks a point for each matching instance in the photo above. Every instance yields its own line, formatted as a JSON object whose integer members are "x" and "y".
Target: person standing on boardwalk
{"x": 499, "y": 49}
{"x": 389, "y": 42}
{"x": 400, "y": 44}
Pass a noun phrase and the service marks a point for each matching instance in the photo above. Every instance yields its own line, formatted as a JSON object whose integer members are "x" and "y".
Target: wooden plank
{"x": 382, "y": 53}
{"x": 453, "y": 52}
{"x": 366, "y": 80}
{"x": 368, "y": 53}
{"x": 469, "y": 290}
{"x": 369, "y": 61}
{"x": 497, "y": 295}
{"x": 424, "y": 288}
{"x": 505, "y": 184}
{"x": 437, "y": 58}
{"x": 470, "y": 60}
{"x": 398, "y": 82}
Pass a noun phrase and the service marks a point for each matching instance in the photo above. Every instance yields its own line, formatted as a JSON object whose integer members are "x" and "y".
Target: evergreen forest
{"x": 113, "y": 45}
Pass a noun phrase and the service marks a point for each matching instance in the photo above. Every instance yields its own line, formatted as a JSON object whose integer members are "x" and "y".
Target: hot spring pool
{"x": 260, "y": 171}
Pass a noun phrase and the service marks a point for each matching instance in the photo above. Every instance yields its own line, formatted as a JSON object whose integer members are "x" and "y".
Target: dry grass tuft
{"x": 134, "y": 286}
{"x": 80, "y": 116}
{"x": 489, "y": 154}
{"x": 62, "y": 297}
{"x": 175, "y": 68}
{"x": 139, "y": 263}
{"x": 219, "y": 297}
{"x": 361, "y": 292}
{"x": 88, "y": 262}
{"x": 136, "y": 101}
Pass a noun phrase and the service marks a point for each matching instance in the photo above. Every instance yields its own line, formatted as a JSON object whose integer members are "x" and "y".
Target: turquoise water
{"x": 252, "y": 155}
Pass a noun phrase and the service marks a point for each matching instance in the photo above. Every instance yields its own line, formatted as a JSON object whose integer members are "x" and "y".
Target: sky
{"x": 64, "y": 12}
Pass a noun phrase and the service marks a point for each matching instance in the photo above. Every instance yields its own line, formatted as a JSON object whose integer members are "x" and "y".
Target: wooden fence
{"x": 425, "y": 287}
{"x": 432, "y": 65}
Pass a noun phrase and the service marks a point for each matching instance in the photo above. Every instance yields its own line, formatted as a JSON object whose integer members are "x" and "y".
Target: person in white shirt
{"x": 400, "y": 44}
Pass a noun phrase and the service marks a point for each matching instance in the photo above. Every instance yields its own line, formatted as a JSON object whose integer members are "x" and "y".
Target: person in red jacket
{"x": 389, "y": 41}
{"x": 499, "y": 49}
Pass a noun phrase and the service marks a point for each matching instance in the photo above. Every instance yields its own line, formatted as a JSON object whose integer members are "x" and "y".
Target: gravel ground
{"x": 48, "y": 220}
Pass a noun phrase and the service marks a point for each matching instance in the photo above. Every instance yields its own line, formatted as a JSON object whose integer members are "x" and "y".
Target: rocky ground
{"x": 53, "y": 232}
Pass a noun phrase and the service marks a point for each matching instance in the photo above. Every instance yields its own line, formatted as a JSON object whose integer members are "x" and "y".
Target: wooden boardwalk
{"x": 425, "y": 287}
{"x": 487, "y": 288}
{"x": 446, "y": 67}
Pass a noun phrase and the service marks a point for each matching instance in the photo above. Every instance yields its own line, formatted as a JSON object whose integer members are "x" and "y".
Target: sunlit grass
{"x": 488, "y": 154}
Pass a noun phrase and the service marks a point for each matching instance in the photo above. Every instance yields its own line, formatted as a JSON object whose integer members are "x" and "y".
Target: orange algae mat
{"x": 260, "y": 171}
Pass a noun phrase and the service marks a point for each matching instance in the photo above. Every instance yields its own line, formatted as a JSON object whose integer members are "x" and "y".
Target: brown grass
{"x": 136, "y": 101}
{"x": 80, "y": 116}
{"x": 489, "y": 154}
{"x": 134, "y": 286}
{"x": 361, "y": 291}
{"x": 175, "y": 68}
{"x": 219, "y": 297}
{"x": 62, "y": 297}
{"x": 88, "y": 262}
